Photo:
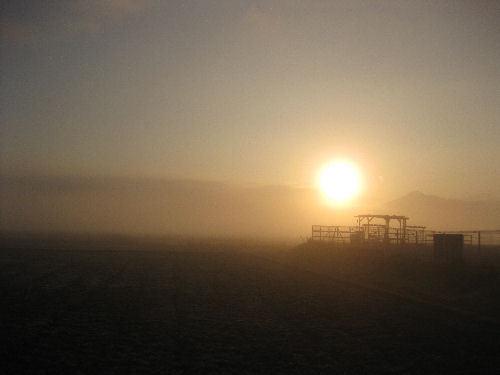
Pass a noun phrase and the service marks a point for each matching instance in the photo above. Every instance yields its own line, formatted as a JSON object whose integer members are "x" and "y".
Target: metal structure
{"x": 479, "y": 239}
{"x": 365, "y": 222}
{"x": 415, "y": 234}
{"x": 335, "y": 233}
{"x": 368, "y": 231}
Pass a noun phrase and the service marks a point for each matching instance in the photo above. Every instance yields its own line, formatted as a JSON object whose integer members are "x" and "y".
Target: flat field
{"x": 194, "y": 307}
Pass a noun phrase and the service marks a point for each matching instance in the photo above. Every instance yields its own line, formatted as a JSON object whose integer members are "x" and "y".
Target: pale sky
{"x": 259, "y": 92}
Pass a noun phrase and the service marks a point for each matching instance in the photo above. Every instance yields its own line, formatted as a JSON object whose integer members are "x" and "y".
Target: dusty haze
{"x": 189, "y": 207}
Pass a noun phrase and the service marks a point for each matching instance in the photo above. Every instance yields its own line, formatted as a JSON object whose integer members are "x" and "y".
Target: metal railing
{"x": 418, "y": 235}
{"x": 334, "y": 233}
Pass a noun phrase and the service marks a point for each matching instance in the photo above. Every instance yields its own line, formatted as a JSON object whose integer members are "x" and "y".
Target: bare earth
{"x": 220, "y": 311}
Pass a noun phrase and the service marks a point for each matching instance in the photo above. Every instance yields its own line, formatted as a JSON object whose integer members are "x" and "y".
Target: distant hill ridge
{"x": 447, "y": 214}
{"x": 180, "y": 206}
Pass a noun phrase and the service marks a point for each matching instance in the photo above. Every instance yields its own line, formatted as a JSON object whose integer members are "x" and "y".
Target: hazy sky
{"x": 258, "y": 92}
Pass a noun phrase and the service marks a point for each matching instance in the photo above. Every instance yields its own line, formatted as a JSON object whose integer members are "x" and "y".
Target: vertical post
{"x": 479, "y": 242}
{"x": 386, "y": 229}
{"x": 404, "y": 231}
{"x": 368, "y": 228}
{"x": 400, "y": 231}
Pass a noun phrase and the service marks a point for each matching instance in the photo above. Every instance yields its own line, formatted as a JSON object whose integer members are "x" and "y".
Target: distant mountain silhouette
{"x": 180, "y": 206}
{"x": 446, "y": 214}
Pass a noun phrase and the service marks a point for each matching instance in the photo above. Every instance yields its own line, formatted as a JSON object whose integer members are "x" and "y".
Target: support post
{"x": 404, "y": 231}
{"x": 386, "y": 229}
{"x": 479, "y": 242}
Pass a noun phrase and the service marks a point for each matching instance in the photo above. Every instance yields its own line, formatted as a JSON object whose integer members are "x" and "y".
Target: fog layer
{"x": 186, "y": 207}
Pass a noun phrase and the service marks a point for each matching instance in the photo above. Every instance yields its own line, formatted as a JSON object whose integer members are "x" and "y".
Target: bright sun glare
{"x": 340, "y": 182}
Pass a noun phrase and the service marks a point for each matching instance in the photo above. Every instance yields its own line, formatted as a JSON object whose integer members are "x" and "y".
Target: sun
{"x": 340, "y": 182}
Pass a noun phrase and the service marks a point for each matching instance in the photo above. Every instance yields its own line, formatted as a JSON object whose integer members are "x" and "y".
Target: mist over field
{"x": 180, "y": 180}
{"x": 138, "y": 206}
{"x": 200, "y": 208}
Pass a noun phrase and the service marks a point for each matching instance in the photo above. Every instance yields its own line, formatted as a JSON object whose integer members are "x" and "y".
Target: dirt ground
{"x": 216, "y": 309}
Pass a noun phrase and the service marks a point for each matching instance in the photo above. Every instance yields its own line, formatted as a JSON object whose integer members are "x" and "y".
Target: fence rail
{"x": 380, "y": 234}
{"x": 333, "y": 233}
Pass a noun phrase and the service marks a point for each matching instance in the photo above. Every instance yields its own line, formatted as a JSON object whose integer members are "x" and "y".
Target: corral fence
{"x": 411, "y": 235}
{"x": 338, "y": 234}
{"x": 479, "y": 239}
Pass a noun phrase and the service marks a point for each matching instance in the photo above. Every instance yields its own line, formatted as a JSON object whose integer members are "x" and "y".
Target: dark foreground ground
{"x": 215, "y": 309}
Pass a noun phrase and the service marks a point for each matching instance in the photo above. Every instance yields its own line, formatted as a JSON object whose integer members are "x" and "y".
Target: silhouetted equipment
{"x": 334, "y": 233}
{"x": 448, "y": 246}
{"x": 368, "y": 231}
{"x": 416, "y": 233}
{"x": 386, "y": 227}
